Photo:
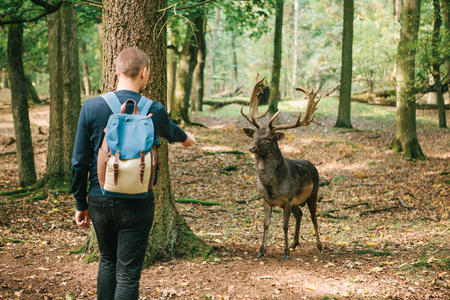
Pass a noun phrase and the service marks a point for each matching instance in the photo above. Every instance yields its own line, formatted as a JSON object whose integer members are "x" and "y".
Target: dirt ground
{"x": 393, "y": 245}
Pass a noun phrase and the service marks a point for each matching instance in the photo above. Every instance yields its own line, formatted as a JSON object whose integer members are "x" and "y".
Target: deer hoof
{"x": 293, "y": 245}
{"x": 319, "y": 246}
{"x": 286, "y": 257}
{"x": 259, "y": 255}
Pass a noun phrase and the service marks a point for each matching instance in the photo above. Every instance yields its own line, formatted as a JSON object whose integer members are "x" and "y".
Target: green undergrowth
{"x": 327, "y": 107}
{"x": 40, "y": 190}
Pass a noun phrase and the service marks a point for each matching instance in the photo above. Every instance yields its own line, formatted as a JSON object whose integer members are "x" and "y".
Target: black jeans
{"x": 122, "y": 227}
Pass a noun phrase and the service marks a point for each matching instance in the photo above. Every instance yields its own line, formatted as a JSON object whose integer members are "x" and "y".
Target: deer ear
{"x": 249, "y": 132}
{"x": 279, "y": 136}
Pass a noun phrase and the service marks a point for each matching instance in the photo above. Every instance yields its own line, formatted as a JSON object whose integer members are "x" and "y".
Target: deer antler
{"x": 310, "y": 109}
{"x": 253, "y": 111}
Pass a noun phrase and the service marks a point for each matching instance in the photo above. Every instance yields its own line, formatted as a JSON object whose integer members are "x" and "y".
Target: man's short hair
{"x": 130, "y": 62}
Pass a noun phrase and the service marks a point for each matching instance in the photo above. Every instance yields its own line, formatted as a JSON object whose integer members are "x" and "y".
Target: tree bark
{"x": 212, "y": 48}
{"x": 188, "y": 61}
{"x": 65, "y": 101}
{"x": 5, "y": 81}
{"x": 436, "y": 65}
{"x": 405, "y": 139}
{"x": 32, "y": 91}
{"x": 294, "y": 50}
{"x": 344, "y": 111}
{"x": 172, "y": 62}
{"x": 19, "y": 96}
{"x": 446, "y": 35}
{"x": 137, "y": 23}
{"x": 199, "y": 71}
{"x": 276, "y": 67}
{"x": 235, "y": 64}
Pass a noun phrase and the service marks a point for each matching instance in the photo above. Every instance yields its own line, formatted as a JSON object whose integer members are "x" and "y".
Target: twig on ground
{"x": 357, "y": 204}
{"x": 374, "y": 211}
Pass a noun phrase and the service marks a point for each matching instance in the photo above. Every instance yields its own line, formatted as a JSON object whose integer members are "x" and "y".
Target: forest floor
{"x": 401, "y": 252}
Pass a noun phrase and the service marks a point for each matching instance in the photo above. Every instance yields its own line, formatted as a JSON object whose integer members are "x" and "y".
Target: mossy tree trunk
{"x": 405, "y": 139}
{"x": 436, "y": 65}
{"x": 199, "y": 71}
{"x": 172, "y": 64}
{"x": 126, "y": 24}
{"x": 345, "y": 101}
{"x": 19, "y": 96}
{"x": 188, "y": 61}
{"x": 276, "y": 67}
{"x": 446, "y": 34}
{"x": 65, "y": 99}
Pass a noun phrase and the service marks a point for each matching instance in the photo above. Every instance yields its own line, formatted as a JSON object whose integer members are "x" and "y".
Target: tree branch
{"x": 185, "y": 7}
{"x": 49, "y": 9}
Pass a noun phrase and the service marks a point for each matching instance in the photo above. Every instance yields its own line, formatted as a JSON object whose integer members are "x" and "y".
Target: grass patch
{"x": 8, "y": 240}
{"x": 374, "y": 253}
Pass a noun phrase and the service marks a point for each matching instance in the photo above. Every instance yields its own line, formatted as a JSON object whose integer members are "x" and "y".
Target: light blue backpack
{"x": 127, "y": 159}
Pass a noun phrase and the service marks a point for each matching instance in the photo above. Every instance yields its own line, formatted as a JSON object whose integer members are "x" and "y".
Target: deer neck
{"x": 271, "y": 166}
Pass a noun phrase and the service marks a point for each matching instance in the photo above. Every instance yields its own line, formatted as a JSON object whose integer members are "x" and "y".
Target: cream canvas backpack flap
{"x": 127, "y": 159}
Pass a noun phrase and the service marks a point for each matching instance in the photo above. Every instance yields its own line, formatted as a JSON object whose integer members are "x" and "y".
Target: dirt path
{"x": 401, "y": 253}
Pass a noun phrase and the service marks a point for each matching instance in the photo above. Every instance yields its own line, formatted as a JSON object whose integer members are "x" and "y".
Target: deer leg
{"x": 312, "y": 205}
{"x": 286, "y": 215}
{"x": 298, "y": 217}
{"x": 267, "y": 216}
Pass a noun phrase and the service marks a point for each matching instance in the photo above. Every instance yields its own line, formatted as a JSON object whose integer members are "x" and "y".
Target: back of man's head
{"x": 131, "y": 61}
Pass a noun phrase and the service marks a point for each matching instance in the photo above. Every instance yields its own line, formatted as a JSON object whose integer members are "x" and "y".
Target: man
{"x": 122, "y": 225}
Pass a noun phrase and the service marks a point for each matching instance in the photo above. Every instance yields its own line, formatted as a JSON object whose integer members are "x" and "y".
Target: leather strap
{"x": 116, "y": 167}
{"x": 142, "y": 168}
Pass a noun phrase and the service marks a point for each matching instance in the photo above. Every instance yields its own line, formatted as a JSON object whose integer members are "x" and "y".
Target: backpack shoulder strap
{"x": 112, "y": 101}
{"x": 144, "y": 105}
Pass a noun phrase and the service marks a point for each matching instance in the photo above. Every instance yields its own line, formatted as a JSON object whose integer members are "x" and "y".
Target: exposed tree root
{"x": 356, "y": 205}
{"x": 195, "y": 201}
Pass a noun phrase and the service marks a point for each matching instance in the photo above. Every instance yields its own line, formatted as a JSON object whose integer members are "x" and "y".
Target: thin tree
{"x": 170, "y": 235}
{"x": 405, "y": 139}
{"x": 19, "y": 96}
{"x": 345, "y": 93}
{"x": 199, "y": 71}
{"x": 276, "y": 66}
{"x": 436, "y": 63}
{"x": 294, "y": 50}
{"x": 65, "y": 98}
{"x": 212, "y": 48}
{"x": 188, "y": 61}
{"x": 446, "y": 35}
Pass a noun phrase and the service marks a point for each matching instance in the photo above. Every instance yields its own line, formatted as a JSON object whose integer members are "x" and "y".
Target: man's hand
{"x": 82, "y": 218}
{"x": 190, "y": 141}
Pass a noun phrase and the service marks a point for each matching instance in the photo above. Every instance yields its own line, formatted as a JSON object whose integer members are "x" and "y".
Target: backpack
{"x": 128, "y": 156}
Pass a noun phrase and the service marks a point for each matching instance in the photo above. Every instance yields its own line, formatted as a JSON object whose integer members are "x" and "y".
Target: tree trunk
{"x": 32, "y": 91}
{"x": 212, "y": 48}
{"x": 406, "y": 133}
{"x": 24, "y": 145}
{"x": 294, "y": 50}
{"x": 276, "y": 67}
{"x": 5, "y": 81}
{"x": 235, "y": 65}
{"x": 65, "y": 103}
{"x": 127, "y": 24}
{"x": 188, "y": 61}
{"x": 199, "y": 71}
{"x": 436, "y": 66}
{"x": 171, "y": 72}
{"x": 345, "y": 101}
{"x": 446, "y": 35}
{"x": 71, "y": 91}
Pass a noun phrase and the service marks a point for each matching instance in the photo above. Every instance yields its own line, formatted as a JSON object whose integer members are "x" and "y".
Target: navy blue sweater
{"x": 93, "y": 118}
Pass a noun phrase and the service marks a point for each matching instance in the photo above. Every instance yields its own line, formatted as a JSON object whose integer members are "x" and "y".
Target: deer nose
{"x": 252, "y": 148}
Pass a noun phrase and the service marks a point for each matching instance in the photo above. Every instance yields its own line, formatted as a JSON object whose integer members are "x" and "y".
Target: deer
{"x": 287, "y": 183}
